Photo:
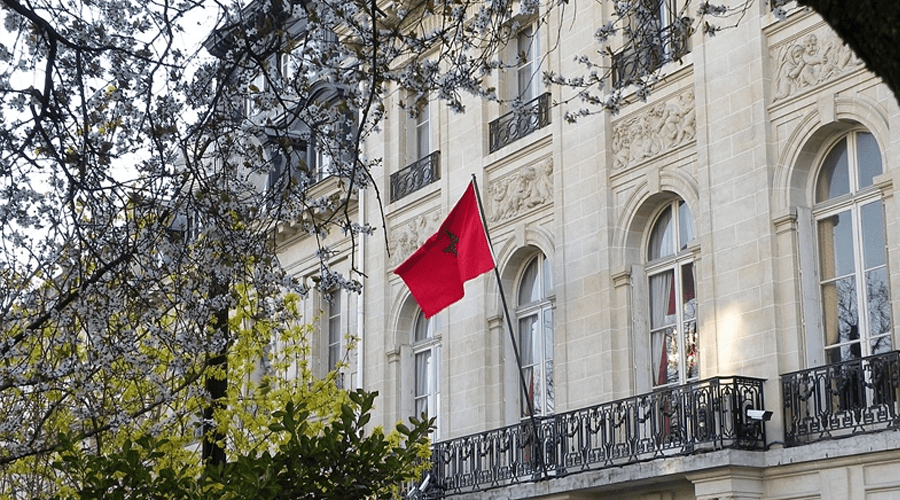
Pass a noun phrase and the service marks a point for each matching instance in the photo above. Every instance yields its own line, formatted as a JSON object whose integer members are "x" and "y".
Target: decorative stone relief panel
{"x": 520, "y": 191}
{"x": 807, "y": 61}
{"x": 652, "y": 132}
{"x": 406, "y": 238}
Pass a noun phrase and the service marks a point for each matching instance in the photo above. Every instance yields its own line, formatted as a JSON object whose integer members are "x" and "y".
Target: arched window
{"x": 853, "y": 277}
{"x": 426, "y": 362}
{"x": 534, "y": 313}
{"x": 674, "y": 358}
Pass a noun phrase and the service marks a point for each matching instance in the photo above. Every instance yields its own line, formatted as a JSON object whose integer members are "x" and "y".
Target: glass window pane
{"x": 844, "y": 352}
{"x": 424, "y": 328}
{"x": 868, "y": 158}
{"x": 840, "y": 315}
{"x": 691, "y": 348}
{"x": 548, "y": 360}
{"x": 528, "y": 374}
{"x": 689, "y": 302}
{"x": 878, "y": 302}
{"x": 422, "y": 142}
{"x": 662, "y": 299}
{"x": 528, "y": 340}
{"x": 685, "y": 225}
{"x": 664, "y": 356}
{"x": 422, "y": 407}
{"x": 525, "y": 60}
{"x": 836, "y": 245}
{"x": 547, "y": 277}
{"x": 423, "y": 370}
{"x": 529, "y": 287}
{"x": 873, "y": 235}
{"x": 834, "y": 178}
{"x": 661, "y": 238}
{"x": 880, "y": 345}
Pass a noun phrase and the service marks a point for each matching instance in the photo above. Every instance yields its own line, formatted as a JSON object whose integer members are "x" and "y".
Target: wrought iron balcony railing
{"x": 648, "y": 51}
{"x": 842, "y": 399}
{"x": 534, "y": 115}
{"x": 705, "y": 415}
{"x": 416, "y": 176}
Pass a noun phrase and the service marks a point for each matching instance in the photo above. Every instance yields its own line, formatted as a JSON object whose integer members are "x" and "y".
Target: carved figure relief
{"x": 662, "y": 128}
{"x": 513, "y": 194}
{"x": 809, "y": 61}
{"x": 405, "y": 239}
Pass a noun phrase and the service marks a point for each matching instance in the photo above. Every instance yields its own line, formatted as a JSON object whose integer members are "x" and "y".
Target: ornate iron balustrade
{"x": 705, "y": 415}
{"x": 416, "y": 176}
{"x": 838, "y": 400}
{"x": 648, "y": 53}
{"x": 534, "y": 115}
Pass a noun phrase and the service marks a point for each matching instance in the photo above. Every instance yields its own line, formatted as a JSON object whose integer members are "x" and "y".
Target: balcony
{"x": 842, "y": 399}
{"x": 416, "y": 176}
{"x": 534, "y": 115}
{"x": 705, "y": 415}
{"x": 648, "y": 53}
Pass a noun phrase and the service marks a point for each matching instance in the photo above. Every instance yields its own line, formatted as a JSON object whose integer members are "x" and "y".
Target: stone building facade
{"x": 729, "y": 244}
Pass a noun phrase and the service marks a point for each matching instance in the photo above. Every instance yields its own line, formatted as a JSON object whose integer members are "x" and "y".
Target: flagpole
{"x": 509, "y": 328}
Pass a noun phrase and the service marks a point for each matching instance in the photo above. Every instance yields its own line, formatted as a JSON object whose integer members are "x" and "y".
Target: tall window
{"x": 418, "y": 144}
{"x": 426, "y": 355}
{"x": 524, "y": 78}
{"x": 853, "y": 277}
{"x": 535, "y": 320}
{"x": 288, "y": 157}
{"x": 673, "y": 305}
{"x": 335, "y": 332}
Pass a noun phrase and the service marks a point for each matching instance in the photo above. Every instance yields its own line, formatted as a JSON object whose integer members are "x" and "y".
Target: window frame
{"x": 333, "y": 334}
{"x": 853, "y": 203}
{"x": 430, "y": 345}
{"x": 542, "y": 344}
{"x": 512, "y": 81}
{"x": 681, "y": 256}
{"x": 418, "y": 129}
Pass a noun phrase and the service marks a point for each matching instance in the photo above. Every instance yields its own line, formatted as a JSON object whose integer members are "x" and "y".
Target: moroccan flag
{"x": 458, "y": 252}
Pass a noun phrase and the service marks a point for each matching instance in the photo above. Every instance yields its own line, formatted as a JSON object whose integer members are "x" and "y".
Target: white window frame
{"x": 536, "y": 352}
{"x": 418, "y": 131}
{"x": 333, "y": 333}
{"x": 426, "y": 392}
{"x": 522, "y": 79}
{"x": 684, "y": 317}
{"x": 853, "y": 204}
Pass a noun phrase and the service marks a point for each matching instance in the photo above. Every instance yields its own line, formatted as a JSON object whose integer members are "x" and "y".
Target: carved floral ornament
{"x": 521, "y": 191}
{"x": 807, "y": 61}
{"x": 406, "y": 238}
{"x": 663, "y": 127}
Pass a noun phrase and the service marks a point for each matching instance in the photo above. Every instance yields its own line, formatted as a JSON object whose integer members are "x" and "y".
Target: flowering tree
{"x": 142, "y": 176}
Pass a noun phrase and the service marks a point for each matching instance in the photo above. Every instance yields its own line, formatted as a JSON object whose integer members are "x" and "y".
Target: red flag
{"x": 458, "y": 252}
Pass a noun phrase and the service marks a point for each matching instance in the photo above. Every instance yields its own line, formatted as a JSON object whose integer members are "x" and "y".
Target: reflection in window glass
{"x": 834, "y": 178}
{"x": 868, "y": 159}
